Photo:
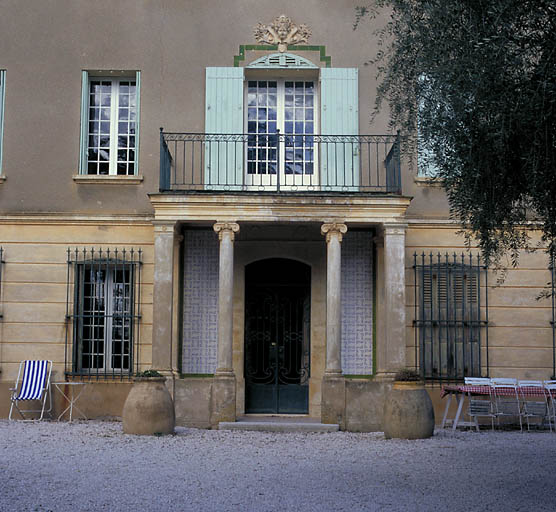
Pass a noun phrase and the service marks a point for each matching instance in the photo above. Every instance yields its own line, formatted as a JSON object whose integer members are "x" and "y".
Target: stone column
{"x": 391, "y": 347}
{"x": 333, "y": 385}
{"x": 223, "y": 405}
{"x": 163, "y": 295}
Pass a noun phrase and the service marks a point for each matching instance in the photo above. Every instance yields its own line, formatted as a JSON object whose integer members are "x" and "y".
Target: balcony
{"x": 279, "y": 163}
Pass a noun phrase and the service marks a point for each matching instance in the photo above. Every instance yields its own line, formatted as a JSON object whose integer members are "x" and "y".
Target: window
{"x": 448, "y": 316}
{"x": 244, "y": 108}
{"x": 2, "y": 95}
{"x": 287, "y": 106}
{"x": 110, "y": 125}
{"x": 105, "y": 311}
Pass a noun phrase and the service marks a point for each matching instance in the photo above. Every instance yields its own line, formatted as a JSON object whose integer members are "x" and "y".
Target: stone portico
{"x": 354, "y": 402}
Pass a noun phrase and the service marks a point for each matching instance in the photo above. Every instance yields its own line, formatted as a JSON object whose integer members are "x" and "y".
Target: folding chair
{"x": 478, "y": 406}
{"x": 506, "y": 399}
{"x": 534, "y": 408}
{"x": 33, "y": 385}
{"x": 550, "y": 387}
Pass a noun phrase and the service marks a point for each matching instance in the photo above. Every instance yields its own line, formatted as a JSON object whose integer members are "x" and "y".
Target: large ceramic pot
{"x": 149, "y": 408}
{"x": 408, "y": 412}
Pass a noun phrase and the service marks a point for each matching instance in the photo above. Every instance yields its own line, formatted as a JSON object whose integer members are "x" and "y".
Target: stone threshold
{"x": 278, "y": 423}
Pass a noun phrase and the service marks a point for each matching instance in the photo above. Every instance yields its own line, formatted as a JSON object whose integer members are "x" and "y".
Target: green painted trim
{"x": 2, "y": 105}
{"x": 137, "y": 118}
{"x": 240, "y": 57}
{"x": 361, "y": 377}
{"x": 196, "y": 375}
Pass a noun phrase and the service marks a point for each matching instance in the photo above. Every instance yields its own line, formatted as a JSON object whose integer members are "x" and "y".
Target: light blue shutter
{"x": 339, "y": 116}
{"x": 224, "y": 115}
{"x": 84, "y": 135}
{"x": 137, "y": 118}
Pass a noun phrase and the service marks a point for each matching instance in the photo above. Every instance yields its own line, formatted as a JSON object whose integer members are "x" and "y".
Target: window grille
{"x": 448, "y": 323}
{"x": 103, "y": 312}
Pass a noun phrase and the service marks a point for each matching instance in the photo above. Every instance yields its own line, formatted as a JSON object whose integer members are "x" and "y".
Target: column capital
{"x": 330, "y": 229}
{"x": 222, "y": 227}
{"x": 397, "y": 228}
{"x": 162, "y": 227}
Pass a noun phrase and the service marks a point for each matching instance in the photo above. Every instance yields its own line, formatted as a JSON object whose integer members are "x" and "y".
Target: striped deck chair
{"x": 34, "y": 385}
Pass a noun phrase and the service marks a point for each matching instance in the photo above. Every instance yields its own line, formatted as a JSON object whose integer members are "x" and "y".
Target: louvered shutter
{"x": 339, "y": 116}
{"x": 224, "y": 115}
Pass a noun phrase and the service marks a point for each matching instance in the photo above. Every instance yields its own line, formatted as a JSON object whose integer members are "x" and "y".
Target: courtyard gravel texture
{"x": 92, "y": 466}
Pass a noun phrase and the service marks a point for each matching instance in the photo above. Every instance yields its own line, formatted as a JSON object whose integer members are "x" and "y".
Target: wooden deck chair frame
{"x": 32, "y": 385}
{"x": 534, "y": 408}
{"x": 479, "y": 406}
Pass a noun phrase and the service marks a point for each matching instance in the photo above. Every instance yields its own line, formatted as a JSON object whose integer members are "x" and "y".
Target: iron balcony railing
{"x": 203, "y": 162}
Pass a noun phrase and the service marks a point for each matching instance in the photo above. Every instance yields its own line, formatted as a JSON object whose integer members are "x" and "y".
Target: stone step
{"x": 278, "y": 426}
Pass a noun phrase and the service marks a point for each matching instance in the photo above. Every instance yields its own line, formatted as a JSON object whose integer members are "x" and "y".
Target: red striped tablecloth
{"x": 486, "y": 390}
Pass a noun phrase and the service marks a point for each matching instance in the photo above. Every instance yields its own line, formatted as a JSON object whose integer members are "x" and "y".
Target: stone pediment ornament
{"x": 282, "y": 32}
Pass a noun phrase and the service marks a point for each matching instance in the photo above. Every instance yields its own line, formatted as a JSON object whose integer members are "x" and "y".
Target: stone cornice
{"x": 259, "y": 208}
{"x": 81, "y": 218}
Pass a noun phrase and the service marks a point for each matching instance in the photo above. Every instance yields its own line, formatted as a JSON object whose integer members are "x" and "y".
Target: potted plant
{"x": 149, "y": 409}
{"x": 408, "y": 410}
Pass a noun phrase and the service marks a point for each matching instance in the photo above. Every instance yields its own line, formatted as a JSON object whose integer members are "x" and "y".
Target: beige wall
{"x": 171, "y": 43}
{"x": 34, "y": 284}
{"x": 520, "y": 334}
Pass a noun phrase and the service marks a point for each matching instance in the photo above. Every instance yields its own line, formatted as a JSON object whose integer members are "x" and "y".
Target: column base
{"x": 333, "y": 404}
{"x": 223, "y": 398}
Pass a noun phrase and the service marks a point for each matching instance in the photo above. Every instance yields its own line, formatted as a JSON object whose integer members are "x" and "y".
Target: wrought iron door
{"x": 277, "y": 349}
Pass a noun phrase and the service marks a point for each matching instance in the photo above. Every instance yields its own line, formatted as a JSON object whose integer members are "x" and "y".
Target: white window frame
{"x": 87, "y": 78}
{"x": 107, "y": 317}
{"x": 286, "y": 180}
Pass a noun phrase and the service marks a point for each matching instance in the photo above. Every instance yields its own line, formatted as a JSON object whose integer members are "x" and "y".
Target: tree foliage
{"x": 477, "y": 80}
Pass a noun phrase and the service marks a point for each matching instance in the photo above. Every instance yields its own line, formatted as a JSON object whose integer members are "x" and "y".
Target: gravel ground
{"x": 94, "y": 466}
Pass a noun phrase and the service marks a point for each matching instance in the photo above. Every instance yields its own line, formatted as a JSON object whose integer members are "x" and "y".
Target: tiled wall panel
{"x": 357, "y": 303}
{"x": 200, "y": 303}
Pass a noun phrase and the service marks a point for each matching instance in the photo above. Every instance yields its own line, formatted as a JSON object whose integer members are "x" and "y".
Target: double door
{"x": 281, "y": 122}
{"x": 277, "y": 354}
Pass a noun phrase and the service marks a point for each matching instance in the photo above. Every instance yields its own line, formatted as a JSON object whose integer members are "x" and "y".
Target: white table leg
{"x": 460, "y": 399}
{"x": 448, "y": 402}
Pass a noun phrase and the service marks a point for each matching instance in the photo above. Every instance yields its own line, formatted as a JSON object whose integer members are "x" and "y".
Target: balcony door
{"x": 236, "y": 105}
{"x": 281, "y": 119}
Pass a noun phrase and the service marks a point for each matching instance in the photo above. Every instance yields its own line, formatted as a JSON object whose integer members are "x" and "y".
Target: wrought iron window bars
{"x": 103, "y": 312}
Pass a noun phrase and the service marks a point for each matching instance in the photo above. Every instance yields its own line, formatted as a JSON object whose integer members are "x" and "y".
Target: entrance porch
{"x": 279, "y": 305}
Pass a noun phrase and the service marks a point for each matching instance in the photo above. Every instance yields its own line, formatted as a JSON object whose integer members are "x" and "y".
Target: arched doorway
{"x": 277, "y": 336}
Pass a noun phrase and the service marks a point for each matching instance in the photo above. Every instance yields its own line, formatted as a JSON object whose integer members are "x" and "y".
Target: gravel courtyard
{"x": 94, "y": 466}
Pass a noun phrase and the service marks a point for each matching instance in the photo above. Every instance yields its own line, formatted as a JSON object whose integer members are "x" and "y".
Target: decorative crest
{"x": 282, "y": 32}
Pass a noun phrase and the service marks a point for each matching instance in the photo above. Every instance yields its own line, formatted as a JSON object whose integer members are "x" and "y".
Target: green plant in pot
{"x": 149, "y": 409}
{"x": 408, "y": 410}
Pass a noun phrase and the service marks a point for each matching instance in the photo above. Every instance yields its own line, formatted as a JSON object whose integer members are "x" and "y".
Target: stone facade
{"x": 190, "y": 299}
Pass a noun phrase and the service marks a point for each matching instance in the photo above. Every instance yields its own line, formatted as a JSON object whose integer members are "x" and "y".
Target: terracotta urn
{"x": 149, "y": 409}
{"x": 408, "y": 411}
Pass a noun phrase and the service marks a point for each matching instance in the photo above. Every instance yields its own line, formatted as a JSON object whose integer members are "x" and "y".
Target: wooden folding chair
{"x": 32, "y": 384}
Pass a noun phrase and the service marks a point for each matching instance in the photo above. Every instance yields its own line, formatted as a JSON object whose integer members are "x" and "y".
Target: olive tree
{"x": 472, "y": 85}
